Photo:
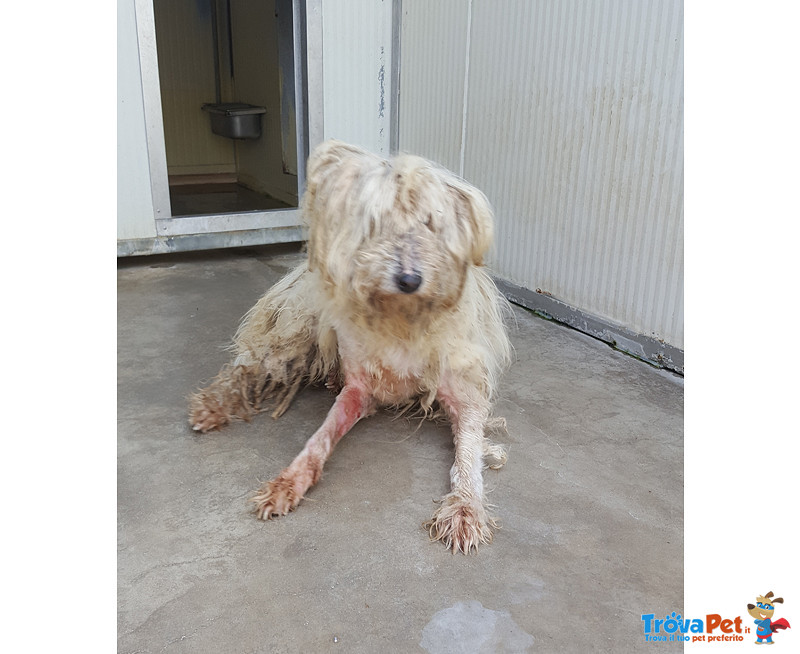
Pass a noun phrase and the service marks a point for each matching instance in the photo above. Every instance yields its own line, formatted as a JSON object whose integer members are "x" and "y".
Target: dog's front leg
{"x": 283, "y": 494}
{"x": 461, "y": 521}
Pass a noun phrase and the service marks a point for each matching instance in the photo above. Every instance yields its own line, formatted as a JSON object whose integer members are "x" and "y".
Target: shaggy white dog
{"x": 395, "y": 309}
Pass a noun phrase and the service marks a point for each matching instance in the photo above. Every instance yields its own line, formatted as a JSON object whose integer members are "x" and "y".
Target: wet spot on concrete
{"x": 468, "y": 627}
{"x": 525, "y": 591}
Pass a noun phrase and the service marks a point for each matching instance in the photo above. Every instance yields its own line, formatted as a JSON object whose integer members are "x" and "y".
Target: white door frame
{"x": 278, "y": 225}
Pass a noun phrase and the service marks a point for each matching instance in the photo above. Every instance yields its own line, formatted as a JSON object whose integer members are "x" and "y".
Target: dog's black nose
{"x": 408, "y": 282}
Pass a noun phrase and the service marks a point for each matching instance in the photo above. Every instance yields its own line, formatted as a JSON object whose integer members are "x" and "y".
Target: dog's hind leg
{"x": 283, "y": 494}
{"x": 231, "y": 395}
{"x": 278, "y": 347}
{"x": 462, "y": 522}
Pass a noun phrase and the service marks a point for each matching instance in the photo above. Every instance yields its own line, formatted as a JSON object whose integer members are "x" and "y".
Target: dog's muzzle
{"x": 408, "y": 282}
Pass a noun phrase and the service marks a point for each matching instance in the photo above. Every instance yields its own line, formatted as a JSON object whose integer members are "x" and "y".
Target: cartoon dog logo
{"x": 762, "y": 612}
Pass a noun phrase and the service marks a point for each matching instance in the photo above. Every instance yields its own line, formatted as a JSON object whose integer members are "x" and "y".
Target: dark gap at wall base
{"x": 645, "y": 348}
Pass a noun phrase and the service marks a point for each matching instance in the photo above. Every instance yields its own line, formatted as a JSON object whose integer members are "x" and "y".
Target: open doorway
{"x": 232, "y": 60}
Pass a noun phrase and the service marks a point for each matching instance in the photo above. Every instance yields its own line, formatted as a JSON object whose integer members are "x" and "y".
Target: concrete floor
{"x": 590, "y": 501}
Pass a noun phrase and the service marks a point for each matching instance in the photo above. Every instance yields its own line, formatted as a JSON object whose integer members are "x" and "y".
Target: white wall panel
{"x": 574, "y": 130}
{"x": 357, "y": 65}
{"x": 135, "y": 212}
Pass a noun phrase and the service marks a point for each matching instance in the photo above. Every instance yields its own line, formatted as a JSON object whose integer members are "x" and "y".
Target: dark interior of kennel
{"x": 227, "y": 51}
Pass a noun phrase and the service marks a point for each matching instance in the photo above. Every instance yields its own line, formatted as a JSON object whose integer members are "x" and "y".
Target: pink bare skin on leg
{"x": 283, "y": 494}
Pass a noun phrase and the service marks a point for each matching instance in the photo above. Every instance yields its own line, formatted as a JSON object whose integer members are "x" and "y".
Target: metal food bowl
{"x": 235, "y": 120}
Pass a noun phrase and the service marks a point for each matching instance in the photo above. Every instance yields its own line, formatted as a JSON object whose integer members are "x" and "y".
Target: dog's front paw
{"x": 279, "y": 496}
{"x": 460, "y": 524}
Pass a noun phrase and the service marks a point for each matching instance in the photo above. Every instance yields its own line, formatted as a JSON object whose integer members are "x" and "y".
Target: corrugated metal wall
{"x": 433, "y": 61}
{"x": 568, "y": 115}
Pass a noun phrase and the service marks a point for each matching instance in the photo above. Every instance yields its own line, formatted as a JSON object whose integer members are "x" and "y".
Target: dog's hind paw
{"x": 277, "y": 497}
{"x": 206, "y": 413}
{"x": 494, "y": 456}
{"x": 460, "y": 524}
{"x": 203, "y": 418}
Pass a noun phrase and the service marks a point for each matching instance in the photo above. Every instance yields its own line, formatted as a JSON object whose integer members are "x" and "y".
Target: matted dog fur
{"x": 394, "y": 309}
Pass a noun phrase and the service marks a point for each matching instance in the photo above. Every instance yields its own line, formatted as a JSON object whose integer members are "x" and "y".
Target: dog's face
{"x": 394, "y": 237}
{"x": 764, "y": 609}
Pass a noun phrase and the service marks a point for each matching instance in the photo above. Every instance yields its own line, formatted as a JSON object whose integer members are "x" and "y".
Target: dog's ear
{"x": 325, "y": 158}
{"x": 474, "y": 215}
{"x": 330, "y": 172}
